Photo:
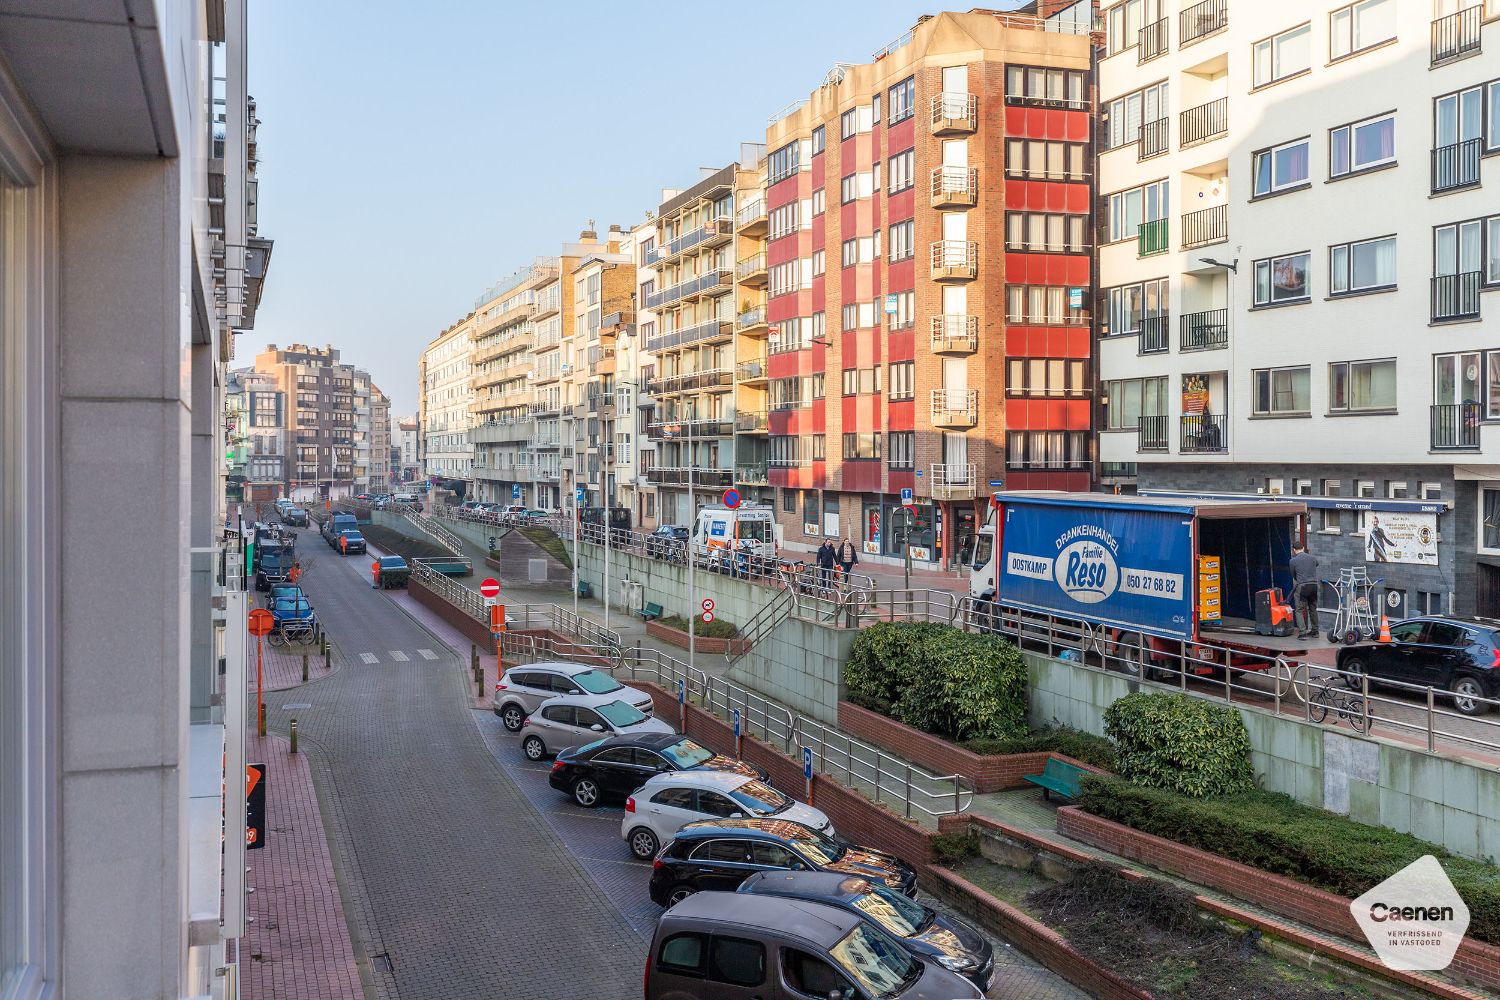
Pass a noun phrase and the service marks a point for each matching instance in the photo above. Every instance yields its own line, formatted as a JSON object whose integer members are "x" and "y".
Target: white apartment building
{"x": 404, "y": 441}
{"x": 502, "y": 432}
{"x": 447, "y": 405}
{"x": 1299, "y": 229}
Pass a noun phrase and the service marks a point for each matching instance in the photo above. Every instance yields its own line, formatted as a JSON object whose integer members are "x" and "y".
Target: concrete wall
{"x": 800, "y": 664}
{"x": 1432, "y": 796}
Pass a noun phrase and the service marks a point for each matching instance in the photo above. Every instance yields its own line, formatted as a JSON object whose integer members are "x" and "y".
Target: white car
{"x": 668, "y": 802}
{"x": 575, "y": 719}
{"x": 523, "y": 688}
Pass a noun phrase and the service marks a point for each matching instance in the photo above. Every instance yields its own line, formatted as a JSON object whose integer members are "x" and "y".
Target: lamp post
{"x": 608, "y": 494}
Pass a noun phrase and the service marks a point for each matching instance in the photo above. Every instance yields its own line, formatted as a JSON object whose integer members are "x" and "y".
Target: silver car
{"x": 571, "y": 720}
{"x": 523, "y": 689}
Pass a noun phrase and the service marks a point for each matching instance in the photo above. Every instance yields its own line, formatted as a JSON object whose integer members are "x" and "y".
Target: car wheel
{"x": 533, "y": 748}
{"x": 586, "y": 793}
{"x": 680, "y": 893}
{"x": 513, "y": 717}
{"x": 643, "y": 843}
{"x": 1467, "y": 695}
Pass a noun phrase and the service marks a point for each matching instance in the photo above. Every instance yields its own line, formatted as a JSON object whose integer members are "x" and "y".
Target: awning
{"x": 1316, "y": 502}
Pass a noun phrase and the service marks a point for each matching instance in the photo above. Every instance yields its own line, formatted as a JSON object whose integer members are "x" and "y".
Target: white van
{"x": 721, "y": 531}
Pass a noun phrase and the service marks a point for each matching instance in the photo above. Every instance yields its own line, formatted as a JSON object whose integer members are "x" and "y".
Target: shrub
{"x": 716, "y": 629}
{"x": 1274, "y": 833}
{"x": 939, "y": 679}
{"x": 1183, "y": 744}
{"x": 954, "y": 848}
{"x": 1096, "y": 751}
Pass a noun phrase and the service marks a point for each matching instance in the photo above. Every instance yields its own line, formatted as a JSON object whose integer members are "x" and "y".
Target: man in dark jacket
{"x": 825, "y": 561}
{"x": 1305, "y": 589}
{"x": 848, "y": 556}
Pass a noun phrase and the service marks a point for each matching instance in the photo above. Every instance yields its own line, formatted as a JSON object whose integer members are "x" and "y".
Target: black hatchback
{"x": 1460, "y": 655}
{"x": 612, "y": 768}
{"x": 719, "y": 854}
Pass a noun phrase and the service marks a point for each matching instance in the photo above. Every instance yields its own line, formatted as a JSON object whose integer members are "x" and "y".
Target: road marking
{"x": 427, "y": 654}
{"x": 369, "y": 657}
{"x": 397, "y": 655}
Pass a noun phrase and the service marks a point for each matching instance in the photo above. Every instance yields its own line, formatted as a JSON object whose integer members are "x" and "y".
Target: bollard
{"x": 326, "y": 665}
{"x": 261, "y": 725}
{"x": 479, "y": 684}
{"x": 304, "y": 668}
{"x": 294, "y": 736}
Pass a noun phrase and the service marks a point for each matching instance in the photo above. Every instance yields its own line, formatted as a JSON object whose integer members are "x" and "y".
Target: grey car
{"x": 575, "y": 719}
{"x": 523, "y": 689}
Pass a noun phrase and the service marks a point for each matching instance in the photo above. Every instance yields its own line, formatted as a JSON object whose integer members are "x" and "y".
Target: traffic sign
{"x": 708, "y": 604}
{"x": 807, "y": 763}
{"x": 735, "y": 715}
{"x": 255, "y": 806}
{"x": 681, "y": 691}
{"x": 489, "y": 587}
{"x": 708, "y": 616}
{"x": 261, "y": 622}
{"x": 515, "y": 491}
{"x": 579, "y": 495}
{"x": 906, "y": 495}
{"x": 995, "y": 484}
{"x": 731, "y": 498}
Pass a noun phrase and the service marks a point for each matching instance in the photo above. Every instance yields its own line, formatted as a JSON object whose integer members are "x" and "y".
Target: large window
{"x": 901, "y": 100}
{"x": 1489, "y": 521}
{"x": 818, "y": 139}
{"x": 1362, "y": 267}
{"x": 905, "y": 314}
{"x": 861, "y": 250}
{"x": 1281, "y": 391}
{"x": 1362, "y": 146}
{"x": 903, "y": 380}
{"x": 783, "y": 163}
{"x": 861, "y": 446}
{"x": 1054, "y": 378}
{"x": 1126, "y": 305}
{"x": 859, "y": 316}
{"x": 1124, "y": 21}
{"x": 1043, "y": 160}
{"x": 1042, "y": 450}
{"x": 856, "y": 120}
{"x": 1282, "y": 279}
{"x": 1042, "y": 304}
{"x": 1362, "y": 385}
{"x": 899, "y": 173}
{"x": 1283, "y": 55}
{"x": 1046, "y": 232}
{"x": 1360, "y": 26}
{"x": 903, "y": 449}
{"x": 1131, "y": 399}
{"x": 1129, "y": 210}
{"x": 1125, "y": 115}
{"x": 1281, "y": 168}
{"x": 784, "y": 220}
{"x": 1046, "y": 87}
{"x": 902, "y": 240}
{"x": 861, "y": 381}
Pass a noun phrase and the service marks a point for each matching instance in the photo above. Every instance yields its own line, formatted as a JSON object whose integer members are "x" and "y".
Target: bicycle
{"x": 1338, "y": 694}
{"x": 302, "y": 630}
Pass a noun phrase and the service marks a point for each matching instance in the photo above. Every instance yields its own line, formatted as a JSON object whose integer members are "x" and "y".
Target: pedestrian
{"x": 343, "y": 545}
{"x": 848, "y": 556}
{"x": 1305, "y": 589}
{"x": 375, "y": 574}
{"x": 825, "y": 560}
{"x": 296, "y": 573}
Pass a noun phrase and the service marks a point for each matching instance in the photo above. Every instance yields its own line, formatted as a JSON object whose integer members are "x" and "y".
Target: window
{"x": 817, "y": 140}
{"x": 1042, "y": 377}
{"x": 859, "y": 315}
{"x": 788, "y": 501}
{"x": 815, "y": 385}
{"x": 783, "y": 163}
{"x": 857, "y": 446}
{"x": 1395, "y": 490}
{"x": 862, "y": 250}
{"x": 1430, "y": 491}
{"x": 1489, "y": 521}
{"x": 818, "y": 262}
{"x": 1129, "y": 210}
{"x": 902, "y": 240}
{"x": 855, "y": 120}
{"x": 1280, "y": 168}
{"x": 1124, "y": 116}
{"x": 1362, "y": 267}
{"x": 736, "y": 961}
{"x": 1362, "y": 146}
{"x": 856, "y": 186}
{"x": 1282, "y": 279}
{"x": 861, "y": 381}
{"x": 1123, "y": 23}
{"x": 1362, "y": 385}
{"x": 1283, "y": 55}
{"x": 899, "y": 171}
{"x": 1131, "y": 399}
{"x": 1127, "y": 305}
{"x": 1046, "y": 232}
{"x": 783, "y": 220}
{"x": 1041, "y": 160}
{"x": 1042, "y": 304}
{"x": 903, "y": 376}
{"x": 1046, "y": 87}
{"x": 1046, "y": 450}
{"x": 683, "y": 953}
{"x": 1360, "y": 26}
{"x": 901, "y": 100}
{"x": 1282, "y": 390}
{"x": 905, "y": 315}
{"x": 903, "y": 447}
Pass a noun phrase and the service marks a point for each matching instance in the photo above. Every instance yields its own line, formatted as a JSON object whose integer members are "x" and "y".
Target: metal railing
{"x": 1456, "y": 35}
{"x": 750, "y": 214}
{"x": 1154, "y": 139}
{"x": 955, "y": 185}
{"x": 1203, "y": 434}
{"x": 1205, "y": 122}
{"x": 959, "y": 256}
{"x": 1456, "y": 165}
{"x": 1205, "y": 226}
{"x": 751, "y": 318}
{"x": 1154, "y": 337}
{"x": 1456, "y": 296}
{"x": 1205, "y": 330}
{"x": 1152, "y": 238}
{"x": 1455, "y": 426}
{"x": 954, "y": 481}
{"x": 1152, "y": 434}
{"x": 752, "y": 370}
{"x": 1202, "y": 20}
{"x": 750, "y": 265}
{"x": 437, "y": 532}
{"x": 951, "y": 408}
{"x": 952, "y": 332}
{"x": 955, "y": 111}
{"x": 1151, "y": 42}
{"x": 470, "y": 602}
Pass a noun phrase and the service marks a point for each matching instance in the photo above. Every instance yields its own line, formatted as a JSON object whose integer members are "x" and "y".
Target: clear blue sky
{"x": 412, "y": 153}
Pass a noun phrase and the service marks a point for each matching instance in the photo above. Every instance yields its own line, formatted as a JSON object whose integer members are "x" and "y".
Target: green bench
{"x": 1058, "y": 776}
{"x": 650, "y": 612}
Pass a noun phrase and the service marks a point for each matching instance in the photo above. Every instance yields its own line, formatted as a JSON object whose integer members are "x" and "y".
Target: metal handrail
{"x": 468, "y": 601}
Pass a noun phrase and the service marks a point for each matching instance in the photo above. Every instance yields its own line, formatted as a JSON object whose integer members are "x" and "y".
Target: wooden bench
{"x": 1058, "y": 776}
{"x": 650, "y": 612}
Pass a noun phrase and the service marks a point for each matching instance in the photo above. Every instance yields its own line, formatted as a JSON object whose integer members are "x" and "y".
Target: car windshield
{"x": 876, "y": 961}
{"x": 589, "y": 747}
{"x": 893, "y": 911}
{"x": 685, "y": 754}
{"x": 758, "y": 531}
{"x": 760, "y": 799}
{"x": 393, "y": 562}
{"x": 820, "y": 849}
{"x": 620, "y": 714}
{"x": 595, "y": 682}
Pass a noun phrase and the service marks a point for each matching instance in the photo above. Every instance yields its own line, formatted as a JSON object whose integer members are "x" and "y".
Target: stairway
{"x": 777, "y": 610}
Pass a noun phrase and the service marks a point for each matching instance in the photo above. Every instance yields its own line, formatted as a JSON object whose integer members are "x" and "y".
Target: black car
{"x": 614, "y": 767}
{"x": 667, "y": 542}
{"x": 350, "y": 542}
{"x": 721, "y": 853}
{"x": 1461, "y": 655}
{"x": 924, "y": 932}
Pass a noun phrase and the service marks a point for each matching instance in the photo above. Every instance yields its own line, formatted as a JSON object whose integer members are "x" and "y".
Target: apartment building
{"x": 635, "y": 450}
{"x": 379, "y": 430}
{"x": 752, "y": 450}
{"x": 1299, "y": 241}
{"x": 929, "y": 269}
{"x": 553, "y": 313}
{"x": 404, "y": 447}
{"x": 504, "y": 332}
{"x": 256, "y": 426}
{"x": 446, "y": 407}
{"x": 361, "y": 433}
{"x": 318, "y": 390}
{"x": 602, "y": 285}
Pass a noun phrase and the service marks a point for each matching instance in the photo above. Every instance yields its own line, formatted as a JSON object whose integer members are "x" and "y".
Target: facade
{"x": 319, "y": 393}
{"x": 751, "y": 382}
{"x": 404, "y": 447}
{"x": 131, "y": 261}
{"x": 635, "y": 451}
{"x": 379, "y": 430}
{"x": 1298, "y": 239}
{"x": 929, "y": 265}
{"x": 602, "y": 285}
{"x": 551, "y": 314}
{"x": 447, "y": 406}
{"x": 504, "y": 332}
{"x": 258, "y": 435}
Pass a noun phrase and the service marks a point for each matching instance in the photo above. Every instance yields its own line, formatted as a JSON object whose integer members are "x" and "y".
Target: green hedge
{"x": 1097, "y": 751}
{"x": 939, "y": 679}
{"x": 1179, "y": 743}
{"x": 1273, "y": 832}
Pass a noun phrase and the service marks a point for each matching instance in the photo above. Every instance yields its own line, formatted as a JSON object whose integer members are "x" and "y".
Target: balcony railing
{"x": 753, "y": 370}
{"x": 1205, "y": 226}
{"x": 709, "y": 231}
{"x": 1152, "y": 238}
{"x": 1456, "y": 165}
{"x": 1207, "y": 330}
{"x": 710, "y": 330}
{"x": 1154, "y": 139}
{"x": 751, "y": 214}
{"x": 954, "y": 186}
{"x": 1154, "y": 337}
{"x": 955, "y": 259}
{"x": 1202, "y": 20}
{"x": 688, "y": 380}
{"x": 753, "y": 475}
{"x": 751, "y": 421}
{"x": 954, "y": 334}
{"x": 1456, "y": 296}
{"x": 1203, "y": 123}
{"x": 1152, "y": 435}
{"x": 669, "y": 476}
{"x": 1151, "y": 42}
{"x": 955, "y": 408}
{"x": 699, "y": 428}
{"x": 683, "y": 289}
{"x": 750, "y": 318}
{"x": 1456, "y": 35}
{"x": 751, "y": 268}
{"x": 954, "y": 113}
{"x": 1204, "y": 434}
{"x": 953, "y": 482}
{"x": 1455, "y": 427}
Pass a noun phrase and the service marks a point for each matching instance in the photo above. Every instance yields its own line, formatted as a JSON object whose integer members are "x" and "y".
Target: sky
{"x": 413, "y": 153}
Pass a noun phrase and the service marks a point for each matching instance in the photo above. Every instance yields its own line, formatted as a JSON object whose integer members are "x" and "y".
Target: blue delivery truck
{"x": 1154, "y": 578}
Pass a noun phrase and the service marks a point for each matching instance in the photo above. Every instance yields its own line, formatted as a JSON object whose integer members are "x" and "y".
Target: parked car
{"x": 294, "y": 516}
{"x": 668, "y": 802}
{"x": 521, "y": 690}
{"x": 722, "y": 853}
{"x": 924, "y": 932}
{"x": 394, "y": 572}
{"x": 724, "y": 946}
{"x": 667, "y": 541}
{"x": 538, "y": 514}
{"x": 573, "y": 719}
{"x": 349, "y": 542}
{"x": 613, "y": 768}
{"x": 1459, "y": 655}
{"x": 364, "y": 496}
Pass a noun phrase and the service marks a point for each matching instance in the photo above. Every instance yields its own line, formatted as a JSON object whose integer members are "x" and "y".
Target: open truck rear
{"x": 1155, "y": 579}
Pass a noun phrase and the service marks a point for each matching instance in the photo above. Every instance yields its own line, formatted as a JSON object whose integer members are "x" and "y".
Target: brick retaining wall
{"x": 679, "y": 638}
{"x": 472, "y": 630}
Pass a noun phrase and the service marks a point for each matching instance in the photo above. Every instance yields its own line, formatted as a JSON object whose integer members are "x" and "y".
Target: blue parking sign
{"x": 807, "y": 763}
{"x": 515, "y": 491}
{"x": 578, "y": 497}
{"x": 735, "y": 715}
{"x": 681, "y": 691}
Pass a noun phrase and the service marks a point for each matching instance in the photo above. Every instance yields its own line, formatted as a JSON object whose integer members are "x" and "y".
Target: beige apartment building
{"x": 751, "y": 382}
{"x": 446, "y": 406}
{"x": 378, "y": 429}
{"x": 603, "y": 290}
{"x": 319, "y": 393}
{"x": 503, "y": 372}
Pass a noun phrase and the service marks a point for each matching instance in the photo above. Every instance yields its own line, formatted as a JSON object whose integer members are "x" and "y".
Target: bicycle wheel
{"x": 1317, "y": 705}
{"x": 277, "y": 637}
{"x": 1353, "y": 709}
{"x": 307, "y": 636}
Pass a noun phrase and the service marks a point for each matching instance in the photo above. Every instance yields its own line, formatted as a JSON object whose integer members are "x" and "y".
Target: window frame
{"x": 1270, "y": 262}
{"x": 1270, "y": 373}
{"x": 908, "y": 89}
{"x": 1349, "y": 128}
{"x": 1351, "y": 8}
{"x": 1026, "y": 99}
{"x": 1027, "y": 171}
{"x": 1269, "y": 155}
{"x": 1271, "y": 40}
{"x": 1348, "y": 368}
{"x": 1348, "y": 269}
{"x": 1479, "y": 545}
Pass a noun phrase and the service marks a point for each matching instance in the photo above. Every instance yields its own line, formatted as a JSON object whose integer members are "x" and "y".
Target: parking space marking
{"x": 369, "y": 657}
{"x": 397, "y": 655}
{"x": 427, "y": 654}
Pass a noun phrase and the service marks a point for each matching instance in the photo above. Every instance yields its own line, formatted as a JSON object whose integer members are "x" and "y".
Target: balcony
{"x": 1456, "y": 166}
{"x": 654, "y": 256}
{"x": 955, "y": 334}
{"x": 1152, "y": 435}
{"x": 751, "y": 321}
{"x": 751, "y": 218}
{"x": 662, "y": 475}
{"x": 1204, "y": 123}
{"x": 955, "y": 260}
{"x": 955, "y": 408}
{"x": 672, "y": 429}
{"x": 1455, "y": 296}
{"x": 667, "y": 384}
{"x": 714, "y": 232}
{"x": 751, "y": 372}
{"x": 1204, "y": 434}
{"x": 751, "y": 422}
{"x": 955, "y": 187}
{"x": 1152, "y": 238}
{"x": 1202, "y": 20}
{"x": 955, "y": 114}
{"x": 1151, "y": 42}
{"x": 714, "y": 329}
{"x": 1455, "y": 427}
{"x": 1205, "y": 226}
{"x": 751, "y": 271}
{"x": 1457, "y": 35}
{"x": 1155, "y": 336}
{"x": 1154, "y": 139}
{"x": 753, "y": 475}
{"x": 953, "y": 482}
{"x": 1204, "y": 331}
{"x": 689, "y": 289}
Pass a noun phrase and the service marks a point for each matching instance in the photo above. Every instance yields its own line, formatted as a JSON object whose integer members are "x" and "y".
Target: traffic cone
{"x": 1385, "y": 628}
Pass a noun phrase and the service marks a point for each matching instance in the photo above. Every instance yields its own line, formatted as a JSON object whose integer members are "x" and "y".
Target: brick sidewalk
{"x": 297, "y": 947}
{"x": 282, "y": 666}
{"x": 454, "y": 640}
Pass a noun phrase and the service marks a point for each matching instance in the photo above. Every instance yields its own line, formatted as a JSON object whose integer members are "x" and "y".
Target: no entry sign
{"x": 489, "y": 587}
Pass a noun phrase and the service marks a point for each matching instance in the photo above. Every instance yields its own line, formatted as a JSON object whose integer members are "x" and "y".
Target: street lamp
{"x": 608, "y": 494}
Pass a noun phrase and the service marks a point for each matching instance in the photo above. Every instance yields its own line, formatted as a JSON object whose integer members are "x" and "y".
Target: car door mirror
{"x": 597, "y": 728}
{"x": 574, "y": 691}
{"x": 736, "y": 815}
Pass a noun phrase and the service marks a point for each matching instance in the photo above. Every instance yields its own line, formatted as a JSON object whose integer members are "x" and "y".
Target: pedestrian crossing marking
{"x": 369, "y": 657}
{"x": 427, "y": 654}
{"x": 397, "y": 655}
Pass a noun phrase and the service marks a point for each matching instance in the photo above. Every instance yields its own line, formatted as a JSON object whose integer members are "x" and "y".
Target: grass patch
{"x": 549, "y": 543}
{"x": 952, "y": 848}
{"x": 1096, "y": 751}
{"x": 716, "y": 629}
{"x": 405, "y": 546}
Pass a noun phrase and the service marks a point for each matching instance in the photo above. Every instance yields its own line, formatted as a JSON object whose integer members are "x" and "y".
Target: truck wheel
{"x": 1129, "y": 658}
